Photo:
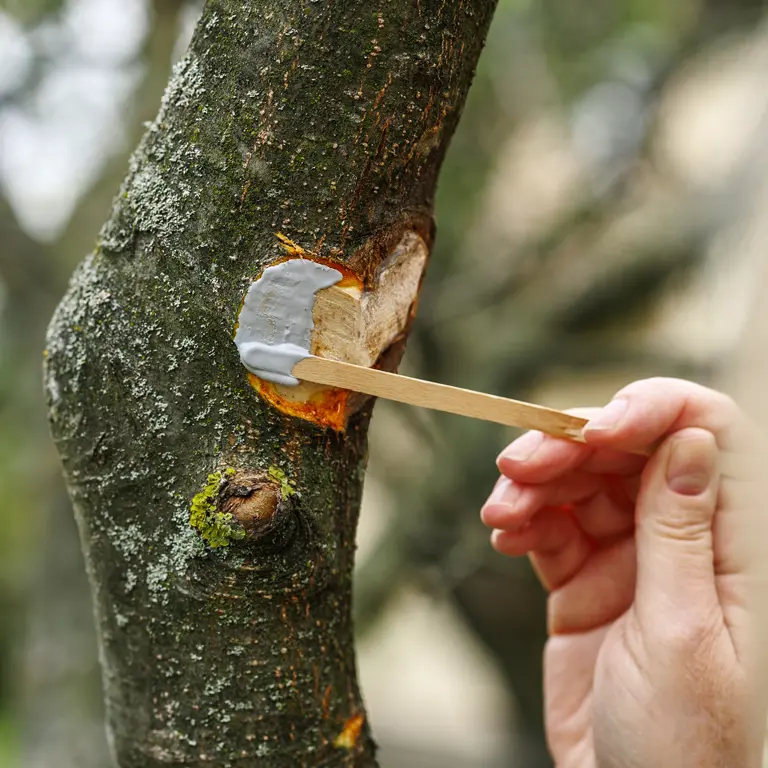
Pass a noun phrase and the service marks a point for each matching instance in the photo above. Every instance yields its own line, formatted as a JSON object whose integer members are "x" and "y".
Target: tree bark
{"x": 57, "y": 691}
{"x": 327, "y": 122}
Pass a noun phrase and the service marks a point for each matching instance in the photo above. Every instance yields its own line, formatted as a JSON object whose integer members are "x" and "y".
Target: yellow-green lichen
{"x": 286, "y": 486}
{"x": 215, "y": 527}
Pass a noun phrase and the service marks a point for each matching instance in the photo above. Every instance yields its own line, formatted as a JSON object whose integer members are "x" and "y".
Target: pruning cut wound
{"x": 305, "y": 305}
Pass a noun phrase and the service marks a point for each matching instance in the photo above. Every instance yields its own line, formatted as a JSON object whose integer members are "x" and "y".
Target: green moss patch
{"x": 287, "y": 488}
{"x": 217, "y": 528}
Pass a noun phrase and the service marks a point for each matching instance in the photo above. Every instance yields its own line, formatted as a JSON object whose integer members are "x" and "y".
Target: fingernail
{"x": 691, "y": 466}
{"x": 499, "y": 516}
{"x": 523, "y": 448}
{"x": 504, "y": 492}
{"x": 610, "y": 417}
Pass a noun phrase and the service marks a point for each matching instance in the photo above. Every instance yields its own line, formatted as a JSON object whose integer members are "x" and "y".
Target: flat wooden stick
{"x": 465, "y": 402}
{"x": 439, "y": 397}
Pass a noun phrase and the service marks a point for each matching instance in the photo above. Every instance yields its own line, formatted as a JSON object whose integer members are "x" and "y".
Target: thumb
{"x": 675, "y": 514}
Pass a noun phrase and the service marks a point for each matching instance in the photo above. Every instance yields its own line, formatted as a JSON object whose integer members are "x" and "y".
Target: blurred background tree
{"x": 597, "y": 223}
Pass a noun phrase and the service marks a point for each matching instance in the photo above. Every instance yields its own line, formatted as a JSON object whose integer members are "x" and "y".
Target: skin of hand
{"x": 652, "y": 658}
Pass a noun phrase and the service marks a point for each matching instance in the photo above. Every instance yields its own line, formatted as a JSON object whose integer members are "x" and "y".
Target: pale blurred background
{"x": 600, "y": 219}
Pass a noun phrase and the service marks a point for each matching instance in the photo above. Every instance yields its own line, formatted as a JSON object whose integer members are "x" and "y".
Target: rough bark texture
{"x": 58, "y": 685}
{"x": 326, "y": 121}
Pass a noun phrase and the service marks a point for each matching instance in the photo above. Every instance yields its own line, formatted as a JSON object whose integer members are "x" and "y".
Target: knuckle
{"x": 687, "y": 392}
{"x": 656, "y": 385}
{"x": 689, "y": 528}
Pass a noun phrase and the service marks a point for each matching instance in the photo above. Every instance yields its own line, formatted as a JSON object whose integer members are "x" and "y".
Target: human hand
{"x": 652, "y": 659}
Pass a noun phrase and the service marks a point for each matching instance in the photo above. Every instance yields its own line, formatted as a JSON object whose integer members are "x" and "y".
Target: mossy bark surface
{"x": 326, "y": 121}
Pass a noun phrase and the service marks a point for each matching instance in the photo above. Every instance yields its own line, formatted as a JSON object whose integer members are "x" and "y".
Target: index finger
{"x": 538, "y": 458}
{"x": 642, "y": 413}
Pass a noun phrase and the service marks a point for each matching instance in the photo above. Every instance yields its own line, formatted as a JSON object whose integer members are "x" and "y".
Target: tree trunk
{"x": 326, "y": 122}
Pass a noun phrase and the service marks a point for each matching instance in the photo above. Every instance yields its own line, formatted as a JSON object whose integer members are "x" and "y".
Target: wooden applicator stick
{"x": 439, "y": 397}
{"x": 464, "y": 402}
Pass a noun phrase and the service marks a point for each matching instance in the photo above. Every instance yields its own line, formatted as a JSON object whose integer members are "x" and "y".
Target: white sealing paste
{"x": 275, "y": 323}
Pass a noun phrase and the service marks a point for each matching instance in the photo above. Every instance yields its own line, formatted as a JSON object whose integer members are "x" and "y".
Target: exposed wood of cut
{"x": 357, "y": 325}
{"x": 439, "y": 397}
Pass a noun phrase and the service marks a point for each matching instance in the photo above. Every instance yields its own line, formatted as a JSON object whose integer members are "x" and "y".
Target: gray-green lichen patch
{"x": 157, "y": 205}
{"x": 162, "y": 192}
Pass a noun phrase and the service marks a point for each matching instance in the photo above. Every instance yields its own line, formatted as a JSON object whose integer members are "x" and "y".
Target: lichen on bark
{"x": 216, "y": 527}
{"x": 327, "y": 122}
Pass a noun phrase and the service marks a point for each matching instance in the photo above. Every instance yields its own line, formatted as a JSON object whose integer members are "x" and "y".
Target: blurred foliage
{"x": 31, "y": 12}
{"x": 564, "y": 225}
{"x": 7, "y": 742}
{"x": 49, "y": 679}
